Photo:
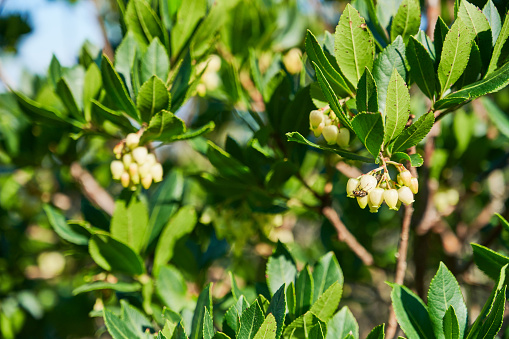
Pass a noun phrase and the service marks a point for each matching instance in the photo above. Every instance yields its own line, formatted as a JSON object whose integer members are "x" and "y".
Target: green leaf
{"x": 193, "y": 133}
{"x": 317, "y": 56}
{"x": 449, "y": 102}
{"x": 503, "y": 222}
{"x": 281, "y": 268}
{"x": 65, "y": 94}
{"x": 407, "y": 20}
{"x": 473, "y": 68}
{"x": 290, "y": 300}
{"x": 414, "y": 133}
{"x": 420, "y": 65}
{"x": 208, "y": 325}
{"x": 171, "y": 288}
{"x": 370, "y": 131}
{"x": 493, "y": 322}
{"x": 182, "y": 223}
{"x": 326, "y": 272}
{"x": 499, "y": 52}
{"x": 300, "y": 327}
{"x": 450, "y": 324}
{"x": 367, "y": 94}
{"x": 236, "y": 293}
{"x": 64, "y": 230}
{"x": 444, "y": 291}
{"x": 441, "y": 30}
{"x": 113, "y": 255}
{"x": 342, "y": 324}
{"x": 153, "y": 97}
{"x": 116, "y": 89}
{"x": 491, "y": 13}
{"x": 136, "y": 319}
{"x": 317, "y": 332}
{"x": 490, "y": 84}
{"x": 155, "y": 62}
{"x": 411, "y": 313}
{"x": 267, "y": 329}
{"x": 118, "y": 328}
{"x": 455, "y": 54}
{"x": 164, "y": 126}
{"x": 188, "y": 18}
{"x": 277, "y": 308}
{"x": 54, "y": 71}
{"x": 39, "y": 112}
{"x": 304, "y": 291}
{"x": 129, "y": 222}
{"x": 179, "y": 332}
{"x": 392, "y": 57}
{"x": 204, "y": 301}
{"x": 91, "y": 89}
{"x": 119, "y": 286}
{"x": 231, "y": 321}
{"x": 331, "y": 97}
{"x": 126, "y": 57}
{"x": 426, "y": 42}
{"x": 415, "y": 159}
{"x": 397, "y": 109}
{"x": 488, "y": 261}
{"x": 476, "y": 21}
{"x": 116, "y": 117}
{"x": 250, "y": 321}
{"x": 377, "y": 333}
{"x": 328, "y": 302}
{"x": 144, "y": 22}
{"x": 228, "y": 166}
{"x": 354, "y": 44}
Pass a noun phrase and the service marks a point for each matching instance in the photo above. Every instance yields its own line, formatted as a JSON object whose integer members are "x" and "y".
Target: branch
{"x": 345, "y": 236}
{"x": 108, "y": 50}
{"x": 91, "y": 189}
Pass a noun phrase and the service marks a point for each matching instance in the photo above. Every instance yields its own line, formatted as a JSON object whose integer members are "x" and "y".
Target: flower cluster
{"x": 325, "y": 122}
{"x": 135, "y": 164}
{"x": 371, "y": 191}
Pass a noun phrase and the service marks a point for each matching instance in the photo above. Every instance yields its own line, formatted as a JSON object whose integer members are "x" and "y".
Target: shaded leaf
{"x": 112, "y": 255}
{"x": 420, "y": 65}
{"x": 370, "y": 131}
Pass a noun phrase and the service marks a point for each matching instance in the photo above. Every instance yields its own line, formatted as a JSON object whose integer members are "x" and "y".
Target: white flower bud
{"x": 117, "y": 150}
{"x": 373, "y": 209}
{"x": 391, "y": 198}
{"x": 157, "y": 172}
{"x": 367, "y": 182}
{"x": 135, "y": 179}
{"x": 139, "y": 154}
{"x": 362, "y": 201}
{"x": 343, "y": 139}
{"x": 146, "y": 181}
{"x": 406, "y": 178}
{"x": 315, "y": 118}
{"x": 125, "y": 179}
{"x": 376, "y": 197}
{"x": 405, "y": 195}
{"x": 133, "y": 169}
{"x": 414, "y": 185}
{"x": 351, "y": 186}
{"x": 318, "y": 131}
{"x": 330, "y": 134}
{"x": 117, "y": 168}
{"x": 127, "y": 159}
{"x": 150, "y": 159}
{"x": 132, "y": 140}
{"x": 144, "y": 170}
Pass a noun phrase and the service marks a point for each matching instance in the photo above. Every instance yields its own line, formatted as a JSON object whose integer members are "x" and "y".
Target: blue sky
{"x": 58, "y": 27}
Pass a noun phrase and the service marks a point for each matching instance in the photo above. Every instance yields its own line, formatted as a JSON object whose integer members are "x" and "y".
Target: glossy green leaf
{"x": 439, "y": 34}
{"x": 54, "y": 71}
{"x": 250, "y": 321}
{"x": 370, "y": 131}
{"x": 304, "y": 291}
{"x": 499, "y": 52}
{"x": 455, "y": 54}
{"x": 182, "y": 223}
{"x": 171, "y": 288}
{"x": 414, "y": 133}
{"x": 117, "y": 117}
{"x": 179, "y": 332}
{"x": 354, "y": 45}
{"x": 236, "y": 293}
{"x": 144, "y": 22}
{"x": 392, "y": 57}
{"x": 488, "y": 261}
{"x": 328, "y": 302}
{"x": 155, "y": 62}
{"x": 476, "y": 21}
{"x": 450, "y": 102}
{"x": 267, "y": 329}
{"x": 204, "y": 301}
{"x": 118, "y": 328}
{"x": 367, "y": 94}
{"x": 188, "y": 17}
{"x": 277, "y": 308}
{"x": 491, "y": 13}
{"x": 126, "y": 56}
{"x": 91, "y": 89}
{"x": 135, "y": 318}
{"x": 420, "y": 65}
{"x": 281, "y": 269}
{"x": 427, "y": 43}
{"x": 493, "y": 322}
{"x": 208, "y": 325}
{"x": 397, "y": 109}
{"x": 113, "y": 255}
{"x": 473, "y": 69}
{"x": 407, "y": 20}
{"x": 119, "y": 286}
{"x": 153, "y": 97}
{"x": 42, "y": 113}
{"x": 450, "y": 324}
{"x": 231, "y": 321}
{"x": 377, "y": 333}
{"x": 290, "y": 300}
{"x": 341, "y": 324}
{"x": 65, "y": 94}
{"x": 300, "y": 327}
{"x": 228, "y": 166}
{"x": 164, "y": 126}
{"x": 414, "y": 159}
{"x": 64, "y": 230}
{"x": 326, "y": 272}
{"x": 317, "y": 332}
{"x": 129, "y": 223}
{"x": 444, "y": 291}
{"x": 316, "y": 55}
{"x": 116, "y": 89}
{"x": 503, "y": 222}
{"x": 411, "y": 313}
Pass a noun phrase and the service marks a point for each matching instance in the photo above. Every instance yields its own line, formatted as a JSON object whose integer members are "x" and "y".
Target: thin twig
{"x": 345, "y": 236}
{"x": 91, "y": 189}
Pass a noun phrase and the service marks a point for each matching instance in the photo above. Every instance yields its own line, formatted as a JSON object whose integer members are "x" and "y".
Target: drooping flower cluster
{"x": 372, "y": 189}
{"x": 325, "y": 122}
{"x": 135, "y": 164}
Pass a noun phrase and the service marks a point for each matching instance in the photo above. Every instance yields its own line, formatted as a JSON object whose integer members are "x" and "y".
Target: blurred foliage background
{"x": 467, "y": 183}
